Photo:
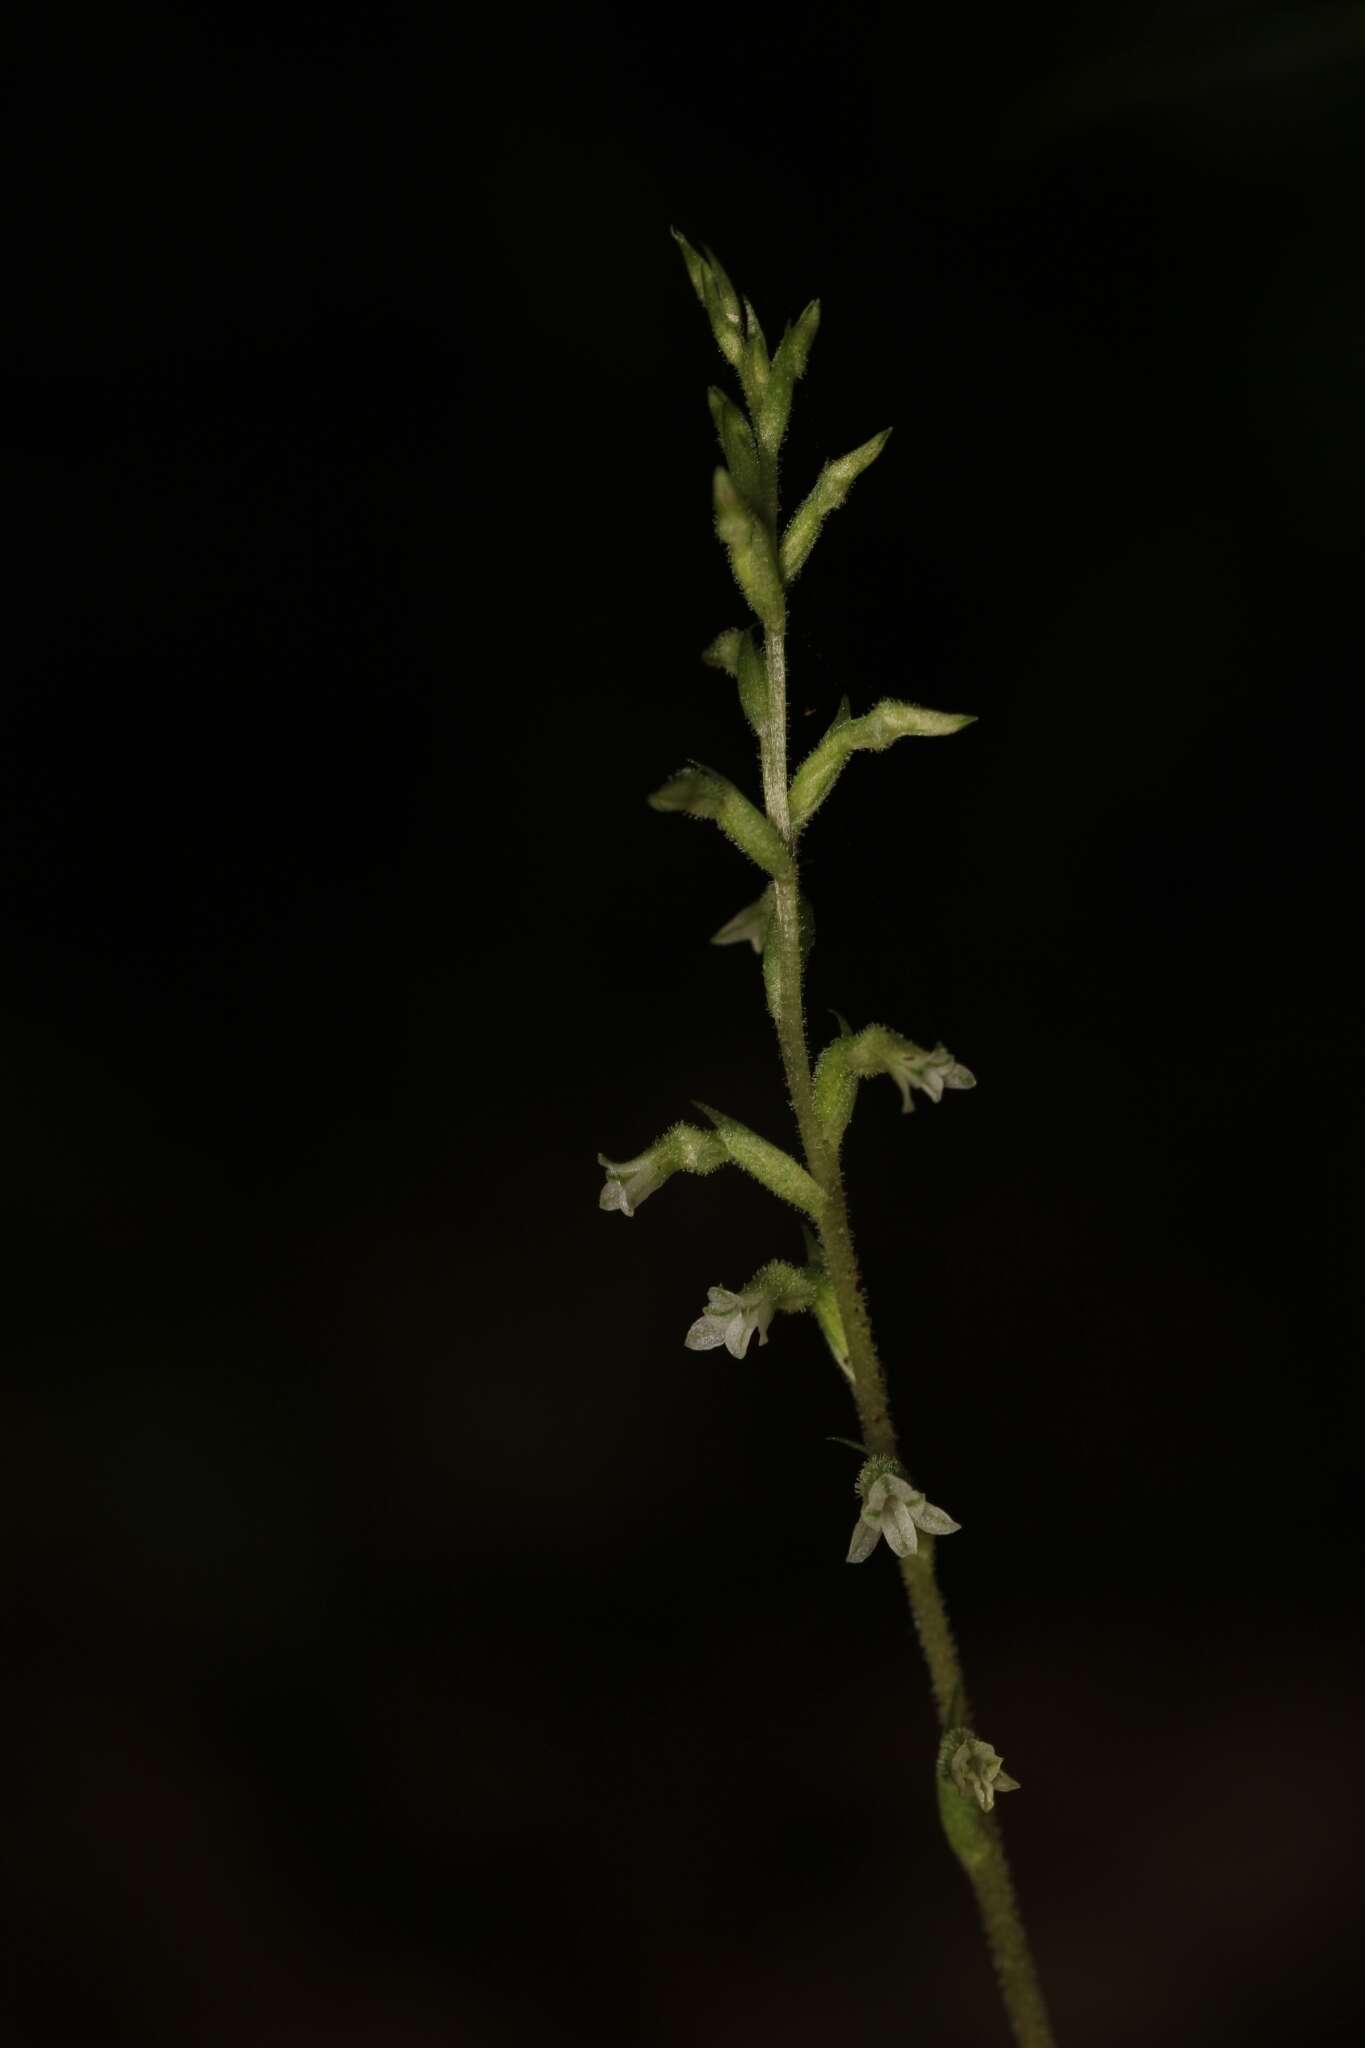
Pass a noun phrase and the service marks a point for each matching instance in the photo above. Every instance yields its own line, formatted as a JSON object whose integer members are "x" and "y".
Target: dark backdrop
{"x": 409, "y": 1642}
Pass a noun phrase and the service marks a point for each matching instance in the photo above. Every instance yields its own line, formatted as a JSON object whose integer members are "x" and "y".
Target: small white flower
{"x": 731, "y": 1320}
{"x": 911, "y": 1067}
{"x": 979, "y": 1773}
{"x": 629, "y": 1182}
{"x": 893, "y": 1508}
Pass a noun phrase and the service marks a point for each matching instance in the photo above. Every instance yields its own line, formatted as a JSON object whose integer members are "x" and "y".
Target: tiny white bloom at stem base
{"x": 978, "y": 1773}
{"x": 895, "y": 1509}
{"x": 731, "y": 1320}
{"x": 629, "y": 1182}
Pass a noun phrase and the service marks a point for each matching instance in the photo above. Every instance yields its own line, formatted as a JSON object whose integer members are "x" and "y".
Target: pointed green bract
{"x": 737, "y": 444}
{"x": 701, "y": 793}
{"x": 832, "y": 486}
{"x": 835, "y": 1089}
{"x": 718, "y": 296}
{"x": 821, "y": 769}
{"x": 788, "y": 367}
{"x": 753, "y": 557}
{"x": 754, "y": 369}
{"x": 768, "y": 1163}
{"x": 874, "y": 732}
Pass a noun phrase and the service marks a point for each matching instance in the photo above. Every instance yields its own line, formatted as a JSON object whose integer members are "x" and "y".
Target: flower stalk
{"x": 765, "y": 561}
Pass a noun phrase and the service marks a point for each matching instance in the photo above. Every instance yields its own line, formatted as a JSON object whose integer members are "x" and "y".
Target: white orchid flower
{"x": 910, "y": 1066}
{"x": 893, "y": 1508}
{"x": 731, "y": 1320}
{"x": 629, "y": 1182}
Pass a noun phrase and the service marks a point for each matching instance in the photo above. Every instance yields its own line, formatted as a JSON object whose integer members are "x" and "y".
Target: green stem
{"x": 985, "y": 1866}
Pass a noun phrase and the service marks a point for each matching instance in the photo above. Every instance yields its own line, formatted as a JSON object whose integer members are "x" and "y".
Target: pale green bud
{"x": 719, "y": 298}
{"x": 737, "y": 444}
{"x": 832, "y": 486}
{"x": 735, "y": 652}
{"x": 724, "y": 651}
{"x": 769, "y": 1164}
{"x": 747, "y": 926}
{"x": 753, "y": 557}
{"x": 701, "y": 793}
{"x": 874, "y": 732}
{"x": 788, "y": 366}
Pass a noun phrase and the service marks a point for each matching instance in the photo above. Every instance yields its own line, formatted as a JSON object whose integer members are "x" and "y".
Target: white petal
{"x": 875, "y": 1504}
{"x": 738, "y": 1331}
{"x": 934, "y": 1521}
{"x": 901, "y": 1488}
{"x": 959, "y": 1077}
{"x": 899, "y": 1531}
{"x": 865, "y": 1540}
{"x": 705, "y": 1334}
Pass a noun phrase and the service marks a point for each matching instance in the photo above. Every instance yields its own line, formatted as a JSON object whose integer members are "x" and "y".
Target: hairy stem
{"x": 985, "y": 1866}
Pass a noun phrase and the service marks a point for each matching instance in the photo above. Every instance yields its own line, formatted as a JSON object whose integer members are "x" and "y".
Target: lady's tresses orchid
{"x": 731, "y": 1320}
{"x": 910, "y": 1066}
{"x": 893, "y": 1508}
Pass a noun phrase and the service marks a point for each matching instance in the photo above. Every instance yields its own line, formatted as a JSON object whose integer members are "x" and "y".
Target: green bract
{"x": 876, "y": 730}
{"x": 701, "y": 793}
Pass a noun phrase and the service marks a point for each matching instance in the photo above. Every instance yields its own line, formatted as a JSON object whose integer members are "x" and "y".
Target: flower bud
{"x": 832, "y": 486}
{"x": 753, "y": 557}
{"x": 701, "y": 793}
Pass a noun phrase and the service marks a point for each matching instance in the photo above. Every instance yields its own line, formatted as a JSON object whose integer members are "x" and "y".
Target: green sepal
{"x": 821, "y": 769}
{"x": 832, "y": 486}
{"x": 752, "y": 677}
{"x": 788, "y": 366}
{"x": 768, "y": 1163}
{"x": 749, "y": 926}
{"x": 719, "y": 298}
{"x": 754, "y": 367}
{"x": 701, "y": 793}
{"x": 836, "y": 1088}
{"x": 753, "y": 557}
{"x": 735, "y": 652}
{"x": 724, "y": 651}
{"x": 874, "y": 732}
{"x": 792, "y": 1288}
{"x": 737, "y": 444}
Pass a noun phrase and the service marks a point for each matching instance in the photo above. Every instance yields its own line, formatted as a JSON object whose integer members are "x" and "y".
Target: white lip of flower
{"x": 731, "y": 1320}
{"x": 932, "y": 1071}
{"x": 629, "y": 1182}
{"x": 893, "y": 1508}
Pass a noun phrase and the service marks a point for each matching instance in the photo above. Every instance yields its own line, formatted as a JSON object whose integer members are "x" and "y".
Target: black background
{"x": 409, "y": 1642}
